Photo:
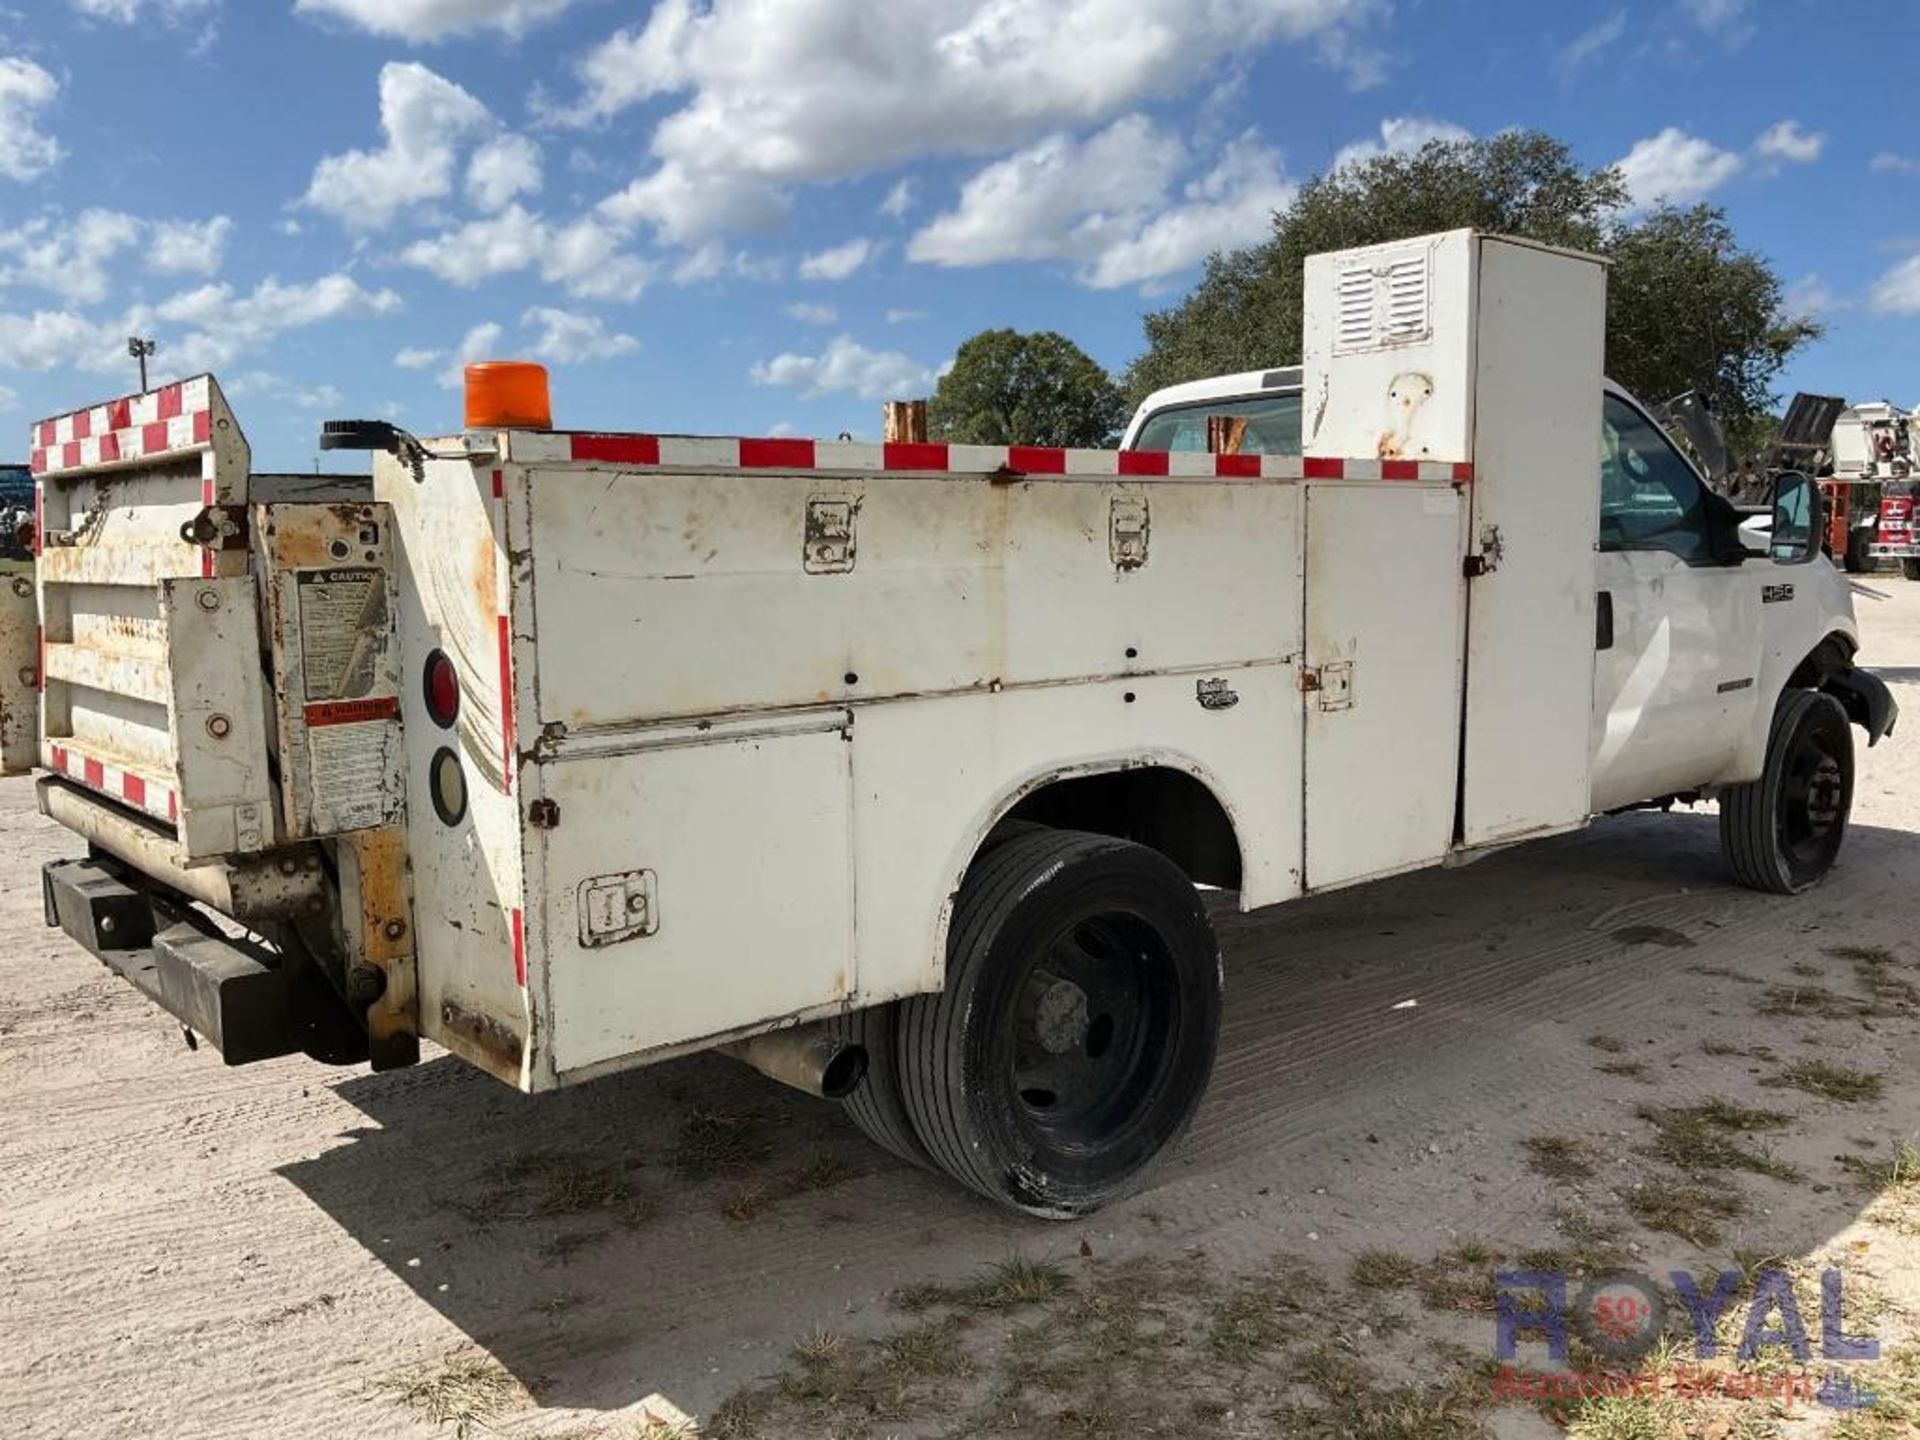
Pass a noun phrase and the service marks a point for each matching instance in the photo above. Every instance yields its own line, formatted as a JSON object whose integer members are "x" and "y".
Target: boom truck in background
{"x": 893, "y": 770}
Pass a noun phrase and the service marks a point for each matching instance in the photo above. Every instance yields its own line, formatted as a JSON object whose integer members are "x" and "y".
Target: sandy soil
{"x": 191, "y": 1251}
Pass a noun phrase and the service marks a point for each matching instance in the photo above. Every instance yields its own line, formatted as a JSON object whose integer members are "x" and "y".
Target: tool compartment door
{"x": 19, "y": 674}
{"x": 691, "y": 889}
{"x": 1536, "y": 521}
{"x": 1382, "y": 680}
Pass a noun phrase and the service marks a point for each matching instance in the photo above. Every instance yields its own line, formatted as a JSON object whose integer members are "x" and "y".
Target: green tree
{"x": 1006, "y": 388}
{"x": 1687, "y": 307}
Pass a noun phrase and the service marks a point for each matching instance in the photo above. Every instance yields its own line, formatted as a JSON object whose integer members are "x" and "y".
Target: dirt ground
{"x": 1418, "y": 1082}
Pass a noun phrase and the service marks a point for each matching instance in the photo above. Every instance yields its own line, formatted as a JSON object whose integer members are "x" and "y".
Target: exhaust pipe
{"x": 812, "y": 1058}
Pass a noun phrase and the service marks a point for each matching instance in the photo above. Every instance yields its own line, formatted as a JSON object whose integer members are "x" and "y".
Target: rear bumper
{"x": 220, "y": 988}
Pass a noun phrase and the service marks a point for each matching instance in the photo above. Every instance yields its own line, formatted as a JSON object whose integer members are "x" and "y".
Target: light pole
{"x": 140, "y": 349}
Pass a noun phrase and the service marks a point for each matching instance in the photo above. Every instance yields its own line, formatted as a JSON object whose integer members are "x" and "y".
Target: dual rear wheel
{"x": 1074, "y": 1037}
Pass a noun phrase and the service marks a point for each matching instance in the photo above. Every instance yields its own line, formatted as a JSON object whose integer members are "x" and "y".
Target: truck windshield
{"x": 1273, "y": 424}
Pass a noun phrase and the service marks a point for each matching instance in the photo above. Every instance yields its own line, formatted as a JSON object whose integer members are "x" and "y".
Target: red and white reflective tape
{"x": 172, "y": 420}
{"x": 672, "y": 452}
{"x": 149, "y": 796}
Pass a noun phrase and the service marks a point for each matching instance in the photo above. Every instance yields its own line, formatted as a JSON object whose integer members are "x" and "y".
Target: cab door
{"x": 1678, "y": 635}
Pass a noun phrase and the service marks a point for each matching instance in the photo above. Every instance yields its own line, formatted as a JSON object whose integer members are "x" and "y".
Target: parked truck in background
{"x": 1875, "y": 444}
{"x": 893, "y": 770}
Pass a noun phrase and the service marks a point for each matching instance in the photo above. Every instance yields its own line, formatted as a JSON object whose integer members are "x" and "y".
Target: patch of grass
{"x": 820, "y": 1171}
{"x": 1382, "y": 1270}
{"x": 1861, "y": 954}
{"x": 1625, "y": 1069}
{"x": 1558, "y": 1158}
{"x": 1724, "y": 1048}
{"x": 712, "y": 1143}
{"x": 1809, "y": 1002}
{"x": 1460, "y": 1280}
{"x": 460, "y": 1390}
{"x": 1613, "y": 1045}
{"x": 1808, "y": 970}
{"x": 1689, "y": 1211}
{"x": 1014, "y": 1282}
{"x": 1700, "y": 1139}
{"x": 1828, "y": 1081}
{"x": 1893, "y": 1176}
{"x": 542, "y": 1185}
{"x": 1722, "y": 972}
{"x": 747, "y": 1201}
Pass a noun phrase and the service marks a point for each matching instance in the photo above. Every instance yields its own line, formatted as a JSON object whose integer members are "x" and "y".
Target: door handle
{"x": 1603, "y": 622}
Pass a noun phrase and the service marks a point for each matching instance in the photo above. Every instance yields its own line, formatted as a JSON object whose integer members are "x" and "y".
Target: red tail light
{"x": 442, "y": 690}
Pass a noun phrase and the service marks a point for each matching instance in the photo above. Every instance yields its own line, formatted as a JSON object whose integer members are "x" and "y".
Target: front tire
{"x": 1076, "y": 1032}
{"x": 1782, "y": 831}
{"x": 1910, "y": 569}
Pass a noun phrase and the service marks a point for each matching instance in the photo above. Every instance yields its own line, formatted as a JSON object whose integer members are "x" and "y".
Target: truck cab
{"x": 1700, "y": 627}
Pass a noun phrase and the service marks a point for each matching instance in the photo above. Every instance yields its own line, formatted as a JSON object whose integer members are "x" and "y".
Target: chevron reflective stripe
{"x": 152, "y": 797}
{"x": 707, "y": 452}
{"x": 175, "y": 419}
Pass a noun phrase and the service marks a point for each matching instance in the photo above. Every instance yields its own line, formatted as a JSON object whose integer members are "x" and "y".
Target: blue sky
{"x": 768, "y": 215}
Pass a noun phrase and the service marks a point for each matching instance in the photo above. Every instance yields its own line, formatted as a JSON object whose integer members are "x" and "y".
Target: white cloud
{"x": 211, "y": 327}
{"x": 711, "y": 260}
{"x": 838, "y": 262}
{"x": 46, "y": 339}
{"x": 188, "y": 247}
{"x": 67, "y": 257}
{"x": 428, "y": 20}
{"x": 899, "y": 199}
{"x": 584, "y": 257}
{"x": 814, "y": 314}
{"x": 1232, "y": 205}
{"x": 1898, "y": 291}
{"x": 1788, "y": 141}
{"x": 566, "y": 338}
{"x": 417, "y": 357}
{"x": 1718, "y": 17}
{"x": 1889, "y": 163}
{"x": 504, "y": 168}
{"x": 73, "y": 257}
{"x": 482, "y": 342}
{"x": 1400, "y": 135}
{"x": 1809, "y": 298}
{"x": 426, "y": 119}
{"x": 847, "y": 365}
{"x": 780, "y": 92}
{"x": 9, "y": 398}
{"x": 1675, "y": 166}
{"x": 265, "y": 385}
{"x": 1105, "y": 203}
{"x": 901, "y": 317}
{"x": 25, "y": 90}
{"x": 125, "y": 12}
{"x": 222, "y": 325}
{"x": 1590, "y": 42}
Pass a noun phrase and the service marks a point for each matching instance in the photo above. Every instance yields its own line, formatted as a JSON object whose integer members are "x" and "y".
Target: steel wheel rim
{"x": 1814, "y": 800}
{"x": 1094, "y": 1017}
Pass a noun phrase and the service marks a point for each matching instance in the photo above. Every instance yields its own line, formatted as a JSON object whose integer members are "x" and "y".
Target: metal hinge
{"x": 218, "y": 527}
{"x": 827, "y": 548}
{"x": 1332, "y": 682}
{"x": 1127, "y": 526}
{"x": 544, "y": 814}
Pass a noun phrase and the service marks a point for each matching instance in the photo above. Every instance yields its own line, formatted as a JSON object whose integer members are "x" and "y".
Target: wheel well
{"x": 1829, "y": 657}
{"x": 1156, "y": 806}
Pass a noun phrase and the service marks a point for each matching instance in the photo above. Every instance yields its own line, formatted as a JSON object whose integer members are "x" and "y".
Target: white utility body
{"x": 750, "y": 734}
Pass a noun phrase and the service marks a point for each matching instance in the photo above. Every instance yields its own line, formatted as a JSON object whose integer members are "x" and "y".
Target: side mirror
{"x": 1795, "y": 532}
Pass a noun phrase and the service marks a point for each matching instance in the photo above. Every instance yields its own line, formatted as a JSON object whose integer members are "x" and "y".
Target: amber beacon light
{"x": 508, "y": 395}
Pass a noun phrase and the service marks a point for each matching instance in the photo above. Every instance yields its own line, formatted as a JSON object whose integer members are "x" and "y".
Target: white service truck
{"x": 894, "y": 769}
